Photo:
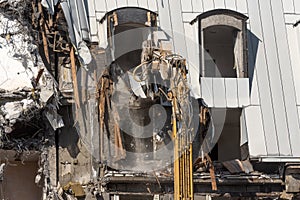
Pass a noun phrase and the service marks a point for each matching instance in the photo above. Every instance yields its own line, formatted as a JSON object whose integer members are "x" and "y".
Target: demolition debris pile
{"x": 26, "y": 87}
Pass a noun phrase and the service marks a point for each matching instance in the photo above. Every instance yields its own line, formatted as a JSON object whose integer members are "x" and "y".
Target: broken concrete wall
{"x": 28, "y": 107}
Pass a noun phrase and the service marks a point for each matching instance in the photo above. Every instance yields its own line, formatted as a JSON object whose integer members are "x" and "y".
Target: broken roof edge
{"x": 279, "y": 159}
{"x": 232, "y": 13}
{"x": 122, "y": 8}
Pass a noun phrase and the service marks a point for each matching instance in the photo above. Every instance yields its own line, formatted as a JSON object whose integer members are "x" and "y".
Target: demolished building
{"x": 149, "y": 99}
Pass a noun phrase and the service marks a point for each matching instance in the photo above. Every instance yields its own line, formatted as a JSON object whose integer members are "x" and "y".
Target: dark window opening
{"x": 128, "y": 28}
{"x": 221, "y": 59}
{"x": 228, "y": 123}
{"x": 223, "y": 44}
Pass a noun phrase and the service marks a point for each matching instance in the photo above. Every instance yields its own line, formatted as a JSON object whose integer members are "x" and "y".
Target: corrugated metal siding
{"x": 257, "y": 142}
{"x": 266, "y": 109}
{"x": 288, "y": 88}
{"x": 294, "y": 47}
{"x": 225, "y": 92}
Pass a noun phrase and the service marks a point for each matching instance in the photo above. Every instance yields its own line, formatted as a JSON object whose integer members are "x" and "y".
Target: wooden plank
{"x": 256, "y": 140}
{"x": 197, "y": 6}
{"x": 186, "y": 6}
{"x": 274, "y": 72}
{"x": 231, "y": 93}
{"x": 100, "y": 6}
{"x": 263, "y": 80}
{"x": 177, "y": 28}
{"x": 132, "y": 3}
{"x": 241, "y": 6}
{"x": 110, "y": 5}
{"x": 219, "y": 4}
{"x": 143, "y": 4}
{"x": 208, "y": 5}
{"x": 297, "y": 6}
{"x": 288, "y": 6}
{"x": 207, "y": 93}
{"x": 219, "y": 93}
{"x": 293, "y": 40}
{"x": 230, "y": 4}
{"x": 122, "y": 3}
{"x": 243, "y": 92}
{"x": 153, "y": 5}
{"x": 193, "y": 58}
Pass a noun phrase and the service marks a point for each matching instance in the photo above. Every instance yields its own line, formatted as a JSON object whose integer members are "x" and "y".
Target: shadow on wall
{"x": 68, "y": 136}
{"x": 253, "y": 43}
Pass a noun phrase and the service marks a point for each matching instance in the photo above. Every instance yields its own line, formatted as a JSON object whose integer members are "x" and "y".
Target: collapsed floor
{"x": 39, "y": 140}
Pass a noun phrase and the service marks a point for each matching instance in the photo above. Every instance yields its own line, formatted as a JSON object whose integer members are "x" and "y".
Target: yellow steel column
{"x": 191, "y": 173}
{"x": 176, "y": 157}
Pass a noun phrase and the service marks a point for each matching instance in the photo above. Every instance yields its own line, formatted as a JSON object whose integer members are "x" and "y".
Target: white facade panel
{"x": 219, "y": 4}
{"x": 193, "y": 57}
{"x": 153, "y": 5}
{"x": 230, "y": 4}
{"x": 188, "y": 17}
{"x": 197, "y": 6}
{"x": 241, "y": 6}
{"x": 274, "y": 77}
{"x": 164, "y": 17}
{"x": 244, "y": 134}
{"x": 208, "y": 5}
{"x": 287, "y": 82}
{"x": 293, "y": 39}
{"x": 132, "y": 3}
{"x": 93, "y": 25}
{"x": 186, "y": 6}
{"x": 102, "y": 34}
{"x": 100, "y": 6}
{"x": 142, "y": 4}
{"x": 297, "y": 6}
{"x": 122, "y": 3}
{"x": 288, "y": 6}
{"x": 207, "y": 91}
{"x": 263, "y": 80}
{"x": 99, "y": 15}
{"x": 177, "y": 28}
{"x": 255, "y": 131}
{"x": 254, "y": 93}
{"x": 111, "y": 5}
{"x": 243, "y": 92}
{"x": 219, "y": 96}
{"x": 291, "y": 18}
{"x": 231, "y": 93}
{"x": 91, "y": 9}
{"x": 252, "y": 71}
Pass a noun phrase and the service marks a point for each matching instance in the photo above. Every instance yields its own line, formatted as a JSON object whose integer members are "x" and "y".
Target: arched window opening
{"x": 222, "y": 54}
{"x": 128, "y": 28}
{"x": 223, "y": 43}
